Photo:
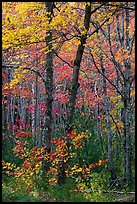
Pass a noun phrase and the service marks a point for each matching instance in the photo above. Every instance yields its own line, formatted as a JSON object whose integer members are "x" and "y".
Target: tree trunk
{"x": 33, "y": 115}
{"x": 37, "y": 115}
{"x": 110, "y": 153}
{"x": 73, "y": 89}
{"x": 125, "y": 82}
{"x": 127, "y": 110}
{"x": 49, "y": 80}
{"x": 49, "y": 87}
{"x": 77, "y": 62}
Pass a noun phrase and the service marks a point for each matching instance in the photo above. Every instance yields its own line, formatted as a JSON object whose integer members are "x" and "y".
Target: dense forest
{"x": 68, "y": 101}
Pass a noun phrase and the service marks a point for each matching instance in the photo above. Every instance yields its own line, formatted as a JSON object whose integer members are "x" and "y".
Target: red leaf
{"x": 39, "y": 158}
{"x": 27, "y": 125}
{"x": 16, "y": 127}
{"x": 3, "y": 137}
{"x": 92, "y": 166}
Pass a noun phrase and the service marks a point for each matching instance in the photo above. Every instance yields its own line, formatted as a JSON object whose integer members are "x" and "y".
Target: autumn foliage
{"x": 30, "y": 170}
{"x": 68, "y": 92}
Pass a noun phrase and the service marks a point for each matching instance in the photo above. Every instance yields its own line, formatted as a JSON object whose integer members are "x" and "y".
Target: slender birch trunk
{"x": 33, "y": 115}
{"x": 36, "y": 111}
{"x": 127, "y": 111}
{"x": 107, "y": 105}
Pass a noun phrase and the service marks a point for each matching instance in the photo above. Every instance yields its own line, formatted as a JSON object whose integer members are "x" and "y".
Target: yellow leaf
{"x": 4, "y": 167}
{"x": 31, "y": 173}
{"x": 37, "y": 171}
{"x": 79, "y": 170}
{"x": 100, "y": 162}
{"x": 37, "y": 165}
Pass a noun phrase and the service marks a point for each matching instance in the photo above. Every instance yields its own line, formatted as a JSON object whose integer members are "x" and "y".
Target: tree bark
{"x": 37, "y": 115}
{"x": 77, "y": 62}
{"x": 73, "y": 90}
{"x": 33, "y": 114}
{"x": 49, "y": 80}
{"x": 127, "y": 115}
{"x": 49, "y": 89}
{"x": 125, "y": 82}
{"x": 110, "y": 153}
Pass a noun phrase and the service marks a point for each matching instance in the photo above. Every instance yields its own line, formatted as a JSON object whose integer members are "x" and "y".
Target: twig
{"x": 106, "y": 77}
{"x": 129, "y": 8}
{"x": 33, "y": 70}
{"x": 63, "y": 60}
{"x": 115, "y": 124}
{"x": 120, "y": 192}
{"x": 70, "y": 65}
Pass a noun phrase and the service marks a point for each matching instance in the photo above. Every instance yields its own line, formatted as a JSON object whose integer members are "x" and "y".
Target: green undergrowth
{"x": 69, "y": 192}
{"x": 55, "y": 193}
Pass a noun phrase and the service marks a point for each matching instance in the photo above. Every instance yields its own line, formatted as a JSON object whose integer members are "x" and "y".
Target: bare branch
{"x": 95, "y": 31}
{"x": 115, "y": 124}
{"x": 39, "y": 74}
{"x": 98, "y": 8}
{"x": 106, "y": 77}
{"x": 100, "y": 26}
{"x": 70, "y": 65}
{"x": 120, "y": 6}
{"x": 63, "y": 60}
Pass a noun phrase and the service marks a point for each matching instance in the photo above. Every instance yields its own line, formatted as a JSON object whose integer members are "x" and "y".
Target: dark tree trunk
{"x": 77, "y": 62}
{"x": 49, "y": 88}
{"x": 49, "y": 80}
{"x": 73, "y": 90}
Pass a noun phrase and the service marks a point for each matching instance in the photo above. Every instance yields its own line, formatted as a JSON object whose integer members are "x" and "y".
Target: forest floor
{"x": 127, "y": 198}
{"x": 47, "y": 197}
{"x": 116, "y": 198}
{"x": 67, "y": 193}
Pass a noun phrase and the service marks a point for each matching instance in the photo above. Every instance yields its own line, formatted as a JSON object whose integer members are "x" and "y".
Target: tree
{"x": 119, "y": 46}
{"x": 49, "y": 79}
{"x": 92, "y": 55}
{"x": 74, "y": 84}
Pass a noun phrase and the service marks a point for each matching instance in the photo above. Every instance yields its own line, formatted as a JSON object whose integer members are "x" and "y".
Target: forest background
{"x": 68, "y": 97}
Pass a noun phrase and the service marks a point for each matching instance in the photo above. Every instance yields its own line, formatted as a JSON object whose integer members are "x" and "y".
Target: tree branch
{"x": 70, "y": 65}
{"x": 115, "y": 124}
{"x": 98, "y": 8}
{"x": 106, "y": 77}
{"x": 95, "y": 31}
{"x": 100, "y": 26}
{"x": 63, "y": 60}
{"x": 33, "y": 70}
{"x": 129, "y": 8}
